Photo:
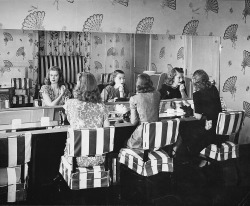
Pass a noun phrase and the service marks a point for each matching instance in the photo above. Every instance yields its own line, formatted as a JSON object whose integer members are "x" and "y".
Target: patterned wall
{"x": 227, "y": 19}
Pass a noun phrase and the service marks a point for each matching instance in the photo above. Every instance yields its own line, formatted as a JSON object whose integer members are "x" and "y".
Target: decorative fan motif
{"x": 155, "y": 37}
{"x": 98, "y": 40}
{"x": 98, "y": 65}
{"x": 127, "y": 66}
{"x": 211, "y": 5}
{"x": 229, "y": 85}
{"x": 180, "y": 53}
{"x": 7, "y": 63}
{"x": 7, "y": 37}
{"x": 191, "y": 28}
{"x": 169, "y": 3}
{"x": 246, "y": 107}
{"x": 93, "y": 23}
{"x": 112, "y": 52}
{"x": 145, "y": 25}
{"x": 34, "y": 21}
{"x": 153, "y": 67}
{"x": 122, "y": 51}
{"x": 162, "y": 53}
{"x": 246, "y": 60}
{"x": 20, "y": 52}
{"x": 230, "y": 33}
{"x": 122, "y": 2}
{"x": 116, "y": 64}
{"x": 246, "y": 10}
{"x": 70, "y": 1}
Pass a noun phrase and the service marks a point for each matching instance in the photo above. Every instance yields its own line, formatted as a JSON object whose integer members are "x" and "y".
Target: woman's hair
{"x": 201, "y": 80}
{"x": 61, "y": 79}
{"x": 112, "y": 83}
{"x": 171, "y": 75}
{"x": 86, "y": 89}
{"x": 146, "y": 84}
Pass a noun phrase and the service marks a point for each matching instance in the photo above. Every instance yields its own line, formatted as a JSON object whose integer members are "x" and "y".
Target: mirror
{"x": 22, "y": 52}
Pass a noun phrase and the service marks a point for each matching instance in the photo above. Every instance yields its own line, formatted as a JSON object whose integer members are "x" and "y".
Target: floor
{"x": 191, "y": 185}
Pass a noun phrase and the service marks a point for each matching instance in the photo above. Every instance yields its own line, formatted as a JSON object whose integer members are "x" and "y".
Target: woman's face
{"x": 54, "y": 77}
{"x": 119, "y": 79}
{"x": 179, "y": 77}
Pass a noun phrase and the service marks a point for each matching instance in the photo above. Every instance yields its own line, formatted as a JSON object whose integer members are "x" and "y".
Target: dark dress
{"x": 207, "y": 103}
{"x": 168, "y": 92}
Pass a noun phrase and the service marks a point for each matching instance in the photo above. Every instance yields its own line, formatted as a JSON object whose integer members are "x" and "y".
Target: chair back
{"x": 159, "y": 134}
{"x": 89, "y": 142}
{"x": 15, "y": 150}
{"x": 229, "y": 122}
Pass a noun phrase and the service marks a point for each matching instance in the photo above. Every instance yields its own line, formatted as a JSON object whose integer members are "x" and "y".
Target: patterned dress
{"x": 86, "y": 115}
{"x": 47, "y": 89}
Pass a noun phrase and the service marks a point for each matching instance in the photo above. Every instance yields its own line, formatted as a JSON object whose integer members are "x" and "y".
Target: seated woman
{"x": 54, "y": 92}
{"x": 117, "y": 88}
{"x": 144, "y": 107}
{"x": 87, "y": 111}
{"x": 206, "y": 106}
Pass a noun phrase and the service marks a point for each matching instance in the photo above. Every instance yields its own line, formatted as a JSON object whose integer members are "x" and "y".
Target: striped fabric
{"x": 13, "y": 193}
{"x": 90, "y": 141}
{"x": 84, "y": 178}
{"x": 160, "y": 134}
{"x": 106, "y": 78}
{"x": 15, "y": 150}
{"x": 12, "y": 175}
{"x": 70, "y": 65}
{"x": 229, "y": 122}
{"x": 158, "y": 161}
{"x": 22, "y": 100}
{"x": 228, "y": 150}
{"x": 21, "y": 83}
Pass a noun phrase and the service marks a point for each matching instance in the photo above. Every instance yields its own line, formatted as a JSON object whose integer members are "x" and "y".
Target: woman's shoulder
{"x": 45, "y": 88}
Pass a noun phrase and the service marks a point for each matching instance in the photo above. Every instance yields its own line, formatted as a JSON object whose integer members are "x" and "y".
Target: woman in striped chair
{"x": 87, "y": 111}
{"x": 144, "y": 107}
{"x": 54, "y": 92}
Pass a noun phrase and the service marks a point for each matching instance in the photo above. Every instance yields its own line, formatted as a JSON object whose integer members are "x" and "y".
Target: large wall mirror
{"x": 30, "y": 53}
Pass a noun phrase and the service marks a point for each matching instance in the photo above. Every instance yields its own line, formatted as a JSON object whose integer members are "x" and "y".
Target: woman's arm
{"x": 47, "y": 99}
{"x": 134, "y": 117}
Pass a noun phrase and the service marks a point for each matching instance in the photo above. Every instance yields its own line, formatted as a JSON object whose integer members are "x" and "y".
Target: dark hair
{"x": 86, "y": 89}
{"x": 171, "y": 75}
{"x": 201, "y": 80}
{"x": 112, "y": 83}
{"x": 146, "y": 84}
{"x": 61, "y": 79}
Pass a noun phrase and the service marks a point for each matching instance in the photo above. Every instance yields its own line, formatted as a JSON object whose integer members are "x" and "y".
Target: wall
{"x": 191, "y": 17}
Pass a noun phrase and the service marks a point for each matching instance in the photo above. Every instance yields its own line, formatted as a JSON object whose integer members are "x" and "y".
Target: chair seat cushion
{"x": 12, "y": 175}
{"x": 83, "y": 177}
{"x": 13, "y": 193}
{"x": 228, "y": 150}
{"x": 158, "y": 161}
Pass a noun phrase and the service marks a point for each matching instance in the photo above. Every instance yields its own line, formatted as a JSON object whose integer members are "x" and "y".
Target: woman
{"x": 207, "y": 106}
{"x": 87, "y": 111}
{"x": 117, "y": 88}
{"x": 54, "y": 92}
{"x": 144, "y": 107}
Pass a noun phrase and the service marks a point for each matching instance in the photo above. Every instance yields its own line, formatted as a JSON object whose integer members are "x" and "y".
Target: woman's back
{"x": 85, "y": 114}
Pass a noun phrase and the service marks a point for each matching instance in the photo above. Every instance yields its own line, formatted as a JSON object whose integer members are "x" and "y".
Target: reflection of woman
{"x": 87, "y": 111}
{"x": 207, "y": 106}
{"x": 54, "y": 92}
{"x": 144, "y": 107}
{"x": 116, "y": 89}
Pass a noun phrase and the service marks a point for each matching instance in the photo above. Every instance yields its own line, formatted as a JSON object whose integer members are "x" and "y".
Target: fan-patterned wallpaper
{"x": 227, "y": 19}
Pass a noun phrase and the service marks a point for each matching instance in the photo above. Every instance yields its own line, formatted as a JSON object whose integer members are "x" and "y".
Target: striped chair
{"x": 151, "y": 160}
{"x": 229, "y": 123}
{"x": 87, "y": 142}
{"x": 70, "y": 65}
{"x": 15, "y": 153}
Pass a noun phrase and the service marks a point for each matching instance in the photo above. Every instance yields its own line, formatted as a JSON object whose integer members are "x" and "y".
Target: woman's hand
{"x": 62, "y": 90}
{"x": 182, "y": 87}
{"x": 208, "y": 125}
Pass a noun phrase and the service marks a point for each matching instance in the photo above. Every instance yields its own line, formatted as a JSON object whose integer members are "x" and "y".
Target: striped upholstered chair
{"x": 228, "y": 123}
{"x": 151, "y": 160}
{"x": 87, "y": 142}
{"x": 15, "y": 153}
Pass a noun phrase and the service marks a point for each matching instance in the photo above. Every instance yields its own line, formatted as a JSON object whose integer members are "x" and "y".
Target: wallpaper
{"x": 230, "y": 20}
